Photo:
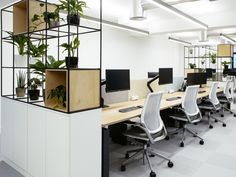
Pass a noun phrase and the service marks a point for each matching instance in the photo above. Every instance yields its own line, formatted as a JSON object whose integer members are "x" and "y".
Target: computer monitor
{"x": 165, "y": 76}
{"x": 117, "y": 80}
{"x": 196, "y": 79}
{"x": 209, "y": 72}
{"x": 152, "y": 74}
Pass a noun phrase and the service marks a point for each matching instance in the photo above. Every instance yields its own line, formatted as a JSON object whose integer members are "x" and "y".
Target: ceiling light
{"x": 116, "y": 25}
{"x": 179, "y": 41}
{"x": 177, "y": 12}
{"x": 227, "y": 38}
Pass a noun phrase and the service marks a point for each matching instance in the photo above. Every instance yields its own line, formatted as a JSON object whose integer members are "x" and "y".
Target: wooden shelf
{"x": 225, "y": 50}
{"x": 24, "y": 11}
{"x": 83, "y": 92}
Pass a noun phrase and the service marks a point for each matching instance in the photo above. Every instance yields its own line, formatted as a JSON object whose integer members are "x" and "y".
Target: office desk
{"x": 111, "y": 116}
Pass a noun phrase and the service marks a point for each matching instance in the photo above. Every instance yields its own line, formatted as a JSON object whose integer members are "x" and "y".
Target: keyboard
{"x": 201, "y": 91}
{"x": 129, "y": 109}
{"x": 173, "y": 98}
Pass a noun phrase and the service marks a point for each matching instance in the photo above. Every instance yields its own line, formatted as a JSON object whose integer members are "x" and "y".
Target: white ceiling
{"x": 216, "y": 14}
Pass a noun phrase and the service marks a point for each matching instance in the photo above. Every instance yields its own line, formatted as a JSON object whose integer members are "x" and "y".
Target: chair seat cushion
{"x": 182, "y": 117}
{"x": 206, "y": 106}
{"x": 138, "y": 134}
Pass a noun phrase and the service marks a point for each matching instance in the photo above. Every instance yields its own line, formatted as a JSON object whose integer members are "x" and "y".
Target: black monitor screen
{"x": 117, "y": 80}
{"x": 152, "y": 74}
{"x": 196, "y": 78}
{"x": 165, "y": 76}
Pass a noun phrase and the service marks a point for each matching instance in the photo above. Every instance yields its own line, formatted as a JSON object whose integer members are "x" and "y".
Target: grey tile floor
{"x": 216, "y": 158}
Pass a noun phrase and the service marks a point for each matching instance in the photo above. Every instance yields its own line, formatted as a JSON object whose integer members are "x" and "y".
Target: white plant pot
{"x": 20, "y": 61}
{"x": 33, "y": 60}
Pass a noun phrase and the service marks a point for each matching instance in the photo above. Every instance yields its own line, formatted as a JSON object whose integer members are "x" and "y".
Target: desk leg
{"x": 105, "y": 152}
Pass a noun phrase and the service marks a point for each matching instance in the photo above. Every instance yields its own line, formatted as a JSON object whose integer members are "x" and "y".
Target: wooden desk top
{"x": 111, "y": 114}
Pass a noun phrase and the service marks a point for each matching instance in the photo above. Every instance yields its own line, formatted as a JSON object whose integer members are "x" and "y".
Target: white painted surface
{"x": 36, "y": 141}
{"x": 52, "y": 144}
{"x": 57, "y": 145}
{"x": 87, "y": 160}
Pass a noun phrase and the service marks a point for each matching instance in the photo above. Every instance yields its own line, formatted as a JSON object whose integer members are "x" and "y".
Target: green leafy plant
{"x": 71, "y": 48}
{"x": 20, "y": 78}
{"x": 192, "y": 65}
{"x": 74, "y": 7}
{"x": 225, "y": 63}
{"x": 20, "y": 41}
{"x": 43, "y": 17}
{"x": 34, "y": 83}
{"x": 60, "y": 94}
{"x": 51, "y": 63}
{"x": 37, "y": 50}
{"x": 213, "y": 58}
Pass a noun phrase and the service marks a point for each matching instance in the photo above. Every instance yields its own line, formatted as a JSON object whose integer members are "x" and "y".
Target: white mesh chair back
{"x": 213, "y": 94}
{"x": 189, "y": 103}
{"x": 150, "y": 117}
{"x": 227, "y": 90}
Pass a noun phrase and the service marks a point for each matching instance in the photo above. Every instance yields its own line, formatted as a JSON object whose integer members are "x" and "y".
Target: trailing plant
{"x": 20, "y": 78}
{"x": 192, "y": 65}
{"x": 51, "y": 63}
{"x": 74, "y": 7}
{"x": 34, "y": 83}
{"x": 20, "y": 41}
{"x": 71, "y": 48}
{"x": 60, "y": 94}
{"x": 37, "y": 50}
{"x": 43, "y": 17}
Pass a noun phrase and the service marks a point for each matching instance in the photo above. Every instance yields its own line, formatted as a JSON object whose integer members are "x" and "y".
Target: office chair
{"x": 212, "y": 105}
{"x": 149, "y": 131}
{"x": 226, "y": 99}
{"x": 188, "y": 114}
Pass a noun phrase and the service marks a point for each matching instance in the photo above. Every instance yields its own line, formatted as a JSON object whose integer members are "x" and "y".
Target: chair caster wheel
{"x": 151, "y": 155}
{"x": 201, "y": 142}
{"x": 126, "y": 155}
{"x": 210, "y": 126}
{"x": 195, "y": 123}
{"x": 221, "y": 115}
{"x": 170, "y": 164}
{"x": 152, "y": 174}
{"x": 122, "y": 168}
{"x": 182, "y": 144}
{"x": 224, "y": 125}
{"x": 216, "y": 120}
{"x": 231, "y": 112}
{"x": 234, "y": 115}
{"x": 167, "y": 138}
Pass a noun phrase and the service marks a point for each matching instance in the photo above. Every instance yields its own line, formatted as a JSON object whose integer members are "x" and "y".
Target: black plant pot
{"x": 73, "y": 19}
{"x": 226, "y": 66}
{"x": 34, "y": 94}
{"x": 72, "y": 62}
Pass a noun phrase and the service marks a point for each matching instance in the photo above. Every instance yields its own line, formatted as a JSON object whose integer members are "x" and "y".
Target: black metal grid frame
{"x": 45, "y": 37}
{"x": 197, "y": 57}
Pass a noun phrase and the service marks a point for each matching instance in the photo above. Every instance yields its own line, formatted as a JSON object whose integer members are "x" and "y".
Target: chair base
{"x": 184, "y": 129}
{"x": 145, "y": 151}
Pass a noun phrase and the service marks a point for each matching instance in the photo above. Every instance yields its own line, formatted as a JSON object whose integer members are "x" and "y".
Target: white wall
{"x": 140, "y": 54}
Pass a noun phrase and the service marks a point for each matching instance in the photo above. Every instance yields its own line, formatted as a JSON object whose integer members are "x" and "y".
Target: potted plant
{"x": 20, "y": 41}
{"x": 213, "y": 58}
{"x": 225, "y": 64}
{"x": 192, "y": 65}
{"x": 71, "y": 60}
{"x": 40, "y": 67}
{"x": 59, "y": 93}
{"x": 51, "y": 18}
{"x": 74, "y": 9}
{"x": 33, "y": 84}
{"x": 20, "y": 78}
{"x": 36, "y": 51}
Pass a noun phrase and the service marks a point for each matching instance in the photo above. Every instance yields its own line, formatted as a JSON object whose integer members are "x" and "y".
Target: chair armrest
{"x": 142, "y": 128}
